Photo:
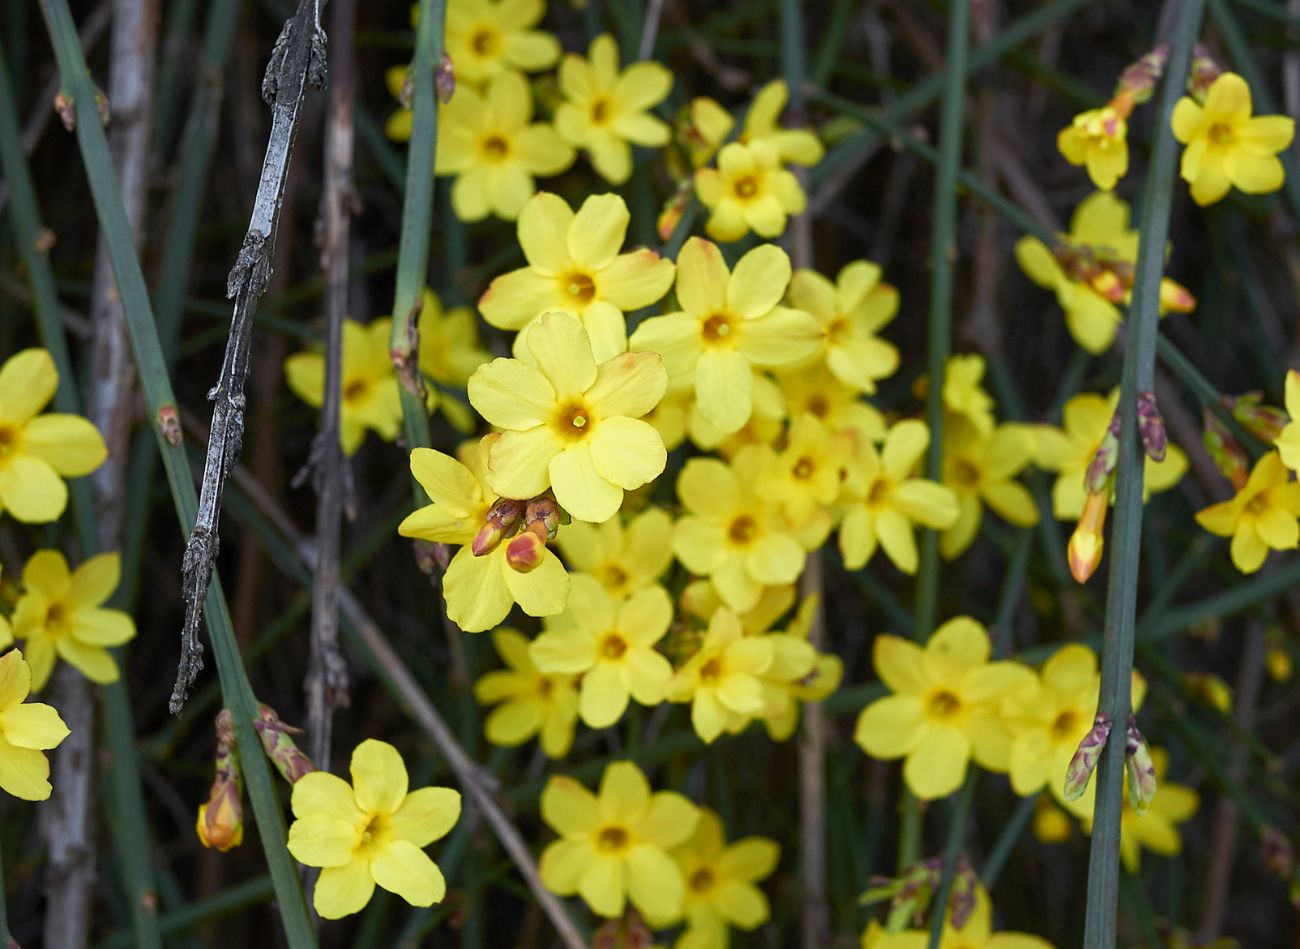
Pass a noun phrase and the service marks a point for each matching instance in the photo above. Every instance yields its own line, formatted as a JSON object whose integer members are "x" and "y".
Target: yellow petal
{"x": 702, "y": 278}
{"x": 568, "y": 807}
{"x": 541, "y": 592}
{"x": 654, "y": 882}
{"x": 344, "y": 890}
{"x": 758, "y": 282}
{"x": 320, "y": 840}
{"x": 1229, "y": 97}
{"x": 936, "y": 767}
{"x": 33, "y": 725}
{"x": 562, "y": 351}
{"x": 891, "y": 727}
{"x": 378, "y": 777}
{"x": 544, "y": 225}
{"x": 31, "y": 490}
{"x": 426, "y": 815}
{"x": 70, "y": 444}
{"x": 624, "y": 792}
{"x": 15, "y": 679}
{"x": 403, "y": 868}
{"x": 94, "y": 581}
{"x": 578, "y": 482}
{"x": 27, "y": 383}
{"x": 598, "y": 230}
{"x": 511, "y": 394}
{"x": 631, "y": 384}
{"x": 24, "y": 773}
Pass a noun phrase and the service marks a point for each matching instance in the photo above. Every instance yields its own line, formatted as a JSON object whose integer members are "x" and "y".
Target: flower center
{"x": 56, "y": 620}
{"x": 702, "y": 880}
{"x": 1256, "y": 505}
{"x": 614, "y": 576}
{"x": 1221, "y": 134}
{"x": 600, "y": 111}
{"x": 943, "y": 704}
{"x": 718, "y": 328}
{"x": 495, "y": 148}
{"x": 613, "y": 646}
{"x": 545, "y": 688}
{"x": 574, "y": 421}
{"x": 745, "y": 187}
{"x": 10, "y": 439}
{"x": 579, "y": 287}
{"x": 819, "y": 406}
{"x": 356, "y": 390}
{"x": 711, "y": 670}
{"x": 1066, "y": 725}
{"x": 370, "y": 837}
{"x": 804, "y": 468}
{"x": 611, "y": 839}
{"x": 742, "y": 530}
{"x": 879, "y": 492}
{"x": 837, "y": 331}
{"x": 484, "y": 42}
{"x": 964, "y": 473}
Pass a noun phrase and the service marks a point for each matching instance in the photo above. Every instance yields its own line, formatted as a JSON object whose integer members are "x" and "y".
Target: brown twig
{"x": 70, "y": 824}
{"x": 297, "y": 59}
{"x": 327, "y": 677}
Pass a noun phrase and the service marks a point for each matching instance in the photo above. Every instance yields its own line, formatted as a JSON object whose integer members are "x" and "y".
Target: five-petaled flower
{"x": 1262, "y": 516}
{"x": 1097, "y": 138}
{"x": 373, "y": 831}
{"x": 569, "y": 423}
{"x": 748, "y": 191}
{"x": 721, "y": 681}
{"x": 851, "y": 311}
{"x": 26, "y": 730}
{"x": 485, "y": 38}
{"x": 528, "y": 701}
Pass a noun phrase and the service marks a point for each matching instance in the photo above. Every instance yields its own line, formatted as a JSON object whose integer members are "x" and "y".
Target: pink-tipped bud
{"x": 280, "y": 747}
{"x": 1151, "y": 426}
{"x": 1096, "y": 477}
{"x": 1225, "y": 451}
{"x": 1138, "y": 80}
{"x": 1086, "y": 543}
{"x": 1141, "y": 769}
{"x": 444, "y": 80}
{"x": 542, "y": 516}
{"x": 1110, "y": 284}
{"x": 1085, "y": 759}
{"x": 524, "y": 553}
{"x": 499, "y": 523}
{"x": 1175, "y": 298}
{"x": 1202, "y": 74}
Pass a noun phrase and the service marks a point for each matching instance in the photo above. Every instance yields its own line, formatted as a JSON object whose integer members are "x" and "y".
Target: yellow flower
{"x": 574, "y": 265}
{"x": 606, "y": 111}
{"x": 62, "y": 616}
{"x": 798, "y": 673}
{"x": 613, "y": 847}
{"x": 710, "y": 124}
{"x": 720, "y": 883}
{"x": 26, "y": 730}
{"x": 963, "y": 393}
{"x": 571, "y": 424}
{"x": 531, "y": 702}
{"x": 479, "y": 590}
{"x": 1262, "y": 516}
{"x": 982, "y": 470}
{"x": 1050, "y": 717}
{"x": 492, "y": 146}
{"x": 721, "y": 681}
{"x": 1097, "y": 138}
{"x": 485, "y": 38}
{"x": 882, "y": 500}
{"x": 38, "y": 451}
{"x": 373, "y": 831}
{"x": 730, "y": 322}
{"x": 729, "y": 533}
{"x": 804, "y": 479}
{"x": 1288, "y": 442}
{"x": 975, "y": 933}
{"x": 610, "y": 643}
{"x": 1157, "y": 829}
{"x": 369, "y": 386}
{"x": 1226, "y": 146}
{"x": 1070, "y": 449}
{"x": 1051, "y": 824}
{"x": 851, "y": 311}
{"x": 450, "y": 351}
{"x": 838, "y": 406}
{"x": 944, "y": 709}
{"x": 766, "y": 421}
{"x": 623, "y": 559}
{"x": 749, "y": 190}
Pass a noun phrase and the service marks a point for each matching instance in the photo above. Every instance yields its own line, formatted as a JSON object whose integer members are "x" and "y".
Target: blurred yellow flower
{"x": 61, "y": 615}
{"x": 574, "y": 265}
{"x": 766, "y": 421}
{"x": 450, "y": 351}
{"x": 882, "y": 501}
{"x": 804, "y": 479}
{"x": 975, "y": 933}
{"x": 729, "y": 533}
{"x": 711, "y": 123}
{"x": 373, "y": 831}
{"x": 851, "y": 311}
{"x": 749, "y": 190}
{"x": 1288, "y": 442}
{"x": 1261, "y": 517}
{"x": 798, "y": 673}
{"x": 528, "y": 701}
{"x": 1227, "y": 147}
{"x": 964, "y": 396}
{"x": 485, "y": 38}
{"x": 606, "y": 111}
{"x": 611, "y": 643}
{"x": 817, "y": 392}
{"x": 38, "y": 451}
{"x": 369, "y": 386}
{"x": 623, "y": 558}
{"x": 489, "y": 142}
{"x": 479, "y": 590}
{"x": 1097, "y": 138}
{"x": 613, "y": 846}
{"x": 571, "y": 424}
{"x": 721, "y": 880}
{"x": 721, "y": 681}
{"x": 26, "y": 730}
{"x": 730, "y": 322}
{"x": 945, "y": 706}
{"x": 982, "y": 470}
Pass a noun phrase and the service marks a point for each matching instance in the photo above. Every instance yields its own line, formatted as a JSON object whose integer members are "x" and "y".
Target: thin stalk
{"x": 943, "y": 253}
{"x": 1119, "y": 633}
{"x": 1249, "y": 593}
{"x": 1006, "y": 842}
{"x": 417, "y": 227}
{"x": 161, "y": 402}
{"x": 956, "y": 837}
{"x": 230, "y": 900}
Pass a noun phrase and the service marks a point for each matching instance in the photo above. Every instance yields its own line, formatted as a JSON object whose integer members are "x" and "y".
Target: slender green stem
{"x": 417, "y": 225}
{"x": 1006, "y": 842}
{"x": 241, "y": 896}
{"x": 156, "y": 385}
{"x": 956, "y": 836}
{"x": 1126, "y": 535}
{"x": 943, "y": 253}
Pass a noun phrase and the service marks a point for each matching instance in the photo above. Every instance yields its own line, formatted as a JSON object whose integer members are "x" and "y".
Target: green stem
{"x": 156, "y": 385}
{"x": 943, "y": 253}
{"x": 956, "y": 835}
{"x": 1006, "y": 842}
{"x": 1126, "y": 535}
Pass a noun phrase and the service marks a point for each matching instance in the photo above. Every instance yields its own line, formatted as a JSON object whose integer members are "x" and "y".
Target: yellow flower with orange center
{"x": 748, "y": 191}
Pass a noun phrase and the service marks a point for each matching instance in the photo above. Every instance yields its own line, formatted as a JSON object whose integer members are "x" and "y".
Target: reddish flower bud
{"x": 1202, "y": 73}
{"x": 1175, "y": 298}
{"x": 499, "y": 523}
{"x": 1228, "y": 455}
{"x": 1085, "y": 759}
{"x": 1096, "y": 477}
{"x": 287, "y": 757}
{"x": 1138, "y": 80}
{"x": 1265, "y": 422}
{"x": 1151, "y": 426}
{"x": 1141, "y": 769}
{"x": 525, "y": 552}
{"x": 444, "y": 80}
{"x": 220, "y": 822}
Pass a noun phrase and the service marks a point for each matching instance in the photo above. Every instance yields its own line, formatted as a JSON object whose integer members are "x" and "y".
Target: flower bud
{"x": 499, "y": 522}
{"x": 287, "y": 757}
{"x": 1228, "y": 455}
{"x": 1141, "y": 769}
{"x": 1109, "y": 283}
{"x": 1175, "y": 298}
{"x": 1084, "y": 551}
{"x": 1151, "y": 426}
{"x": 1265, "y": 422}
{"x": 1084, "y": 762}
{"x": 1202, "y": 73}
{"x": 1096, "y": 477}
{"x": 542, "y": 516}
{"x": 1138, "y": 80}
{"x": 220, "y": 822}
{"x": 524, "y": 553}
{"x": 444, "y": 80}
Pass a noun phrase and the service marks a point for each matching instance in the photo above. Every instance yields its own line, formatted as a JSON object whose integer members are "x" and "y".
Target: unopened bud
{"x": 1109, "y": 284}
{"x": 1202, "y": 73}
{"x": 1225, "y": 451}
{"x": 499, "y": 523}
{"x": 1175, "y": 298}
{"x": 1141, "y": 769}
{"x": 1085, "y": 759}
{"x": 280, "y": 747}
{"x": 1096, "y": 476}
{"x": 1151, "y": 426}
{"x": 671, "y": 213}
{"x": 1086, "y": 543}
{"x": 220, "y": 822}
{"x": 542, "y": 516}
{"x": 525, "y": 552}
{"x": 1265, "y": 422}
{"x": 444, "y": 80}
{"x": 1139, "y": 79}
